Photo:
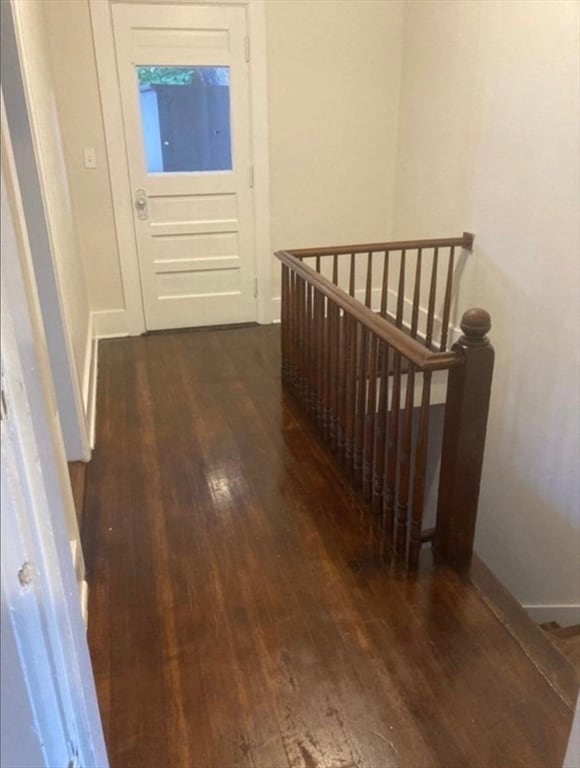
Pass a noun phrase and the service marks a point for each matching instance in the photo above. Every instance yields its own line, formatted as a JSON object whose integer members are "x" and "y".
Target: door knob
{"x": 141, "y": 203}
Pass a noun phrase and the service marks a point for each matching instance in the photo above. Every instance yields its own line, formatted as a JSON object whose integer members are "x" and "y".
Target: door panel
{"x": 185, "y": 96}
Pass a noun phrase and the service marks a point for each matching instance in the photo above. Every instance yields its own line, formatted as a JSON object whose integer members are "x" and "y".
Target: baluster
{"x": 385, "y": 287}
{"x": 309, "y": 350}
{"x": 318, "y": 264}
{"x": 342, "y": 374}
{"x": 416, "y": 295}
{"x": 284, "y": 323}
{"x": 306, "y": 347}
{"x": 370, "y": 420}
{"x": 447, "y": 300}
{"x": 401, "y": 294}
{"x": 392, "y": 450}
{"x": 432, "y": 297}
{"x": 301, "y": 382}
{"x": 334, "y": 331}
{"x": 379, "y": 474}
{"x": 337, "y": 372}
{"x": 322, "y": 363}
{"x": 319, "y": 314}
{"x": 324, "y": 367}
{"x": 304, "y": 344}
{"x": 404, "y": 463}
{"x": 400, "y": 366}
{"x": 332, "y": 373}
{"x": 329, "y": 362}
{"x": 308, "y": 344}
{"x": 361, "y": 403}
{"x": 332, "y": 378}
{"x": 381, "y": 431}
{"x": 292, "y": 330}
{"x": 294, "y": 336}
{"x": 300, "y": 337}
{"x": 369, "y": 281}
{"x": 420, "y": 469}
{"x": 370, "y": 389}
{"x": 329, "y": 359}
{"x": 352, "y": 275}
{"x": 315, "y": 352}
{"x": 362, "y": 413}
{"x": 351, "y": 376}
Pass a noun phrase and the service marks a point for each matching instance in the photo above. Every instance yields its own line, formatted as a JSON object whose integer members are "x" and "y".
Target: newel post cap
{"x": 475, "y": 325}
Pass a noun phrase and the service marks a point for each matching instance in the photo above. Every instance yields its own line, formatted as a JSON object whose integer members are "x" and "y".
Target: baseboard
{"x": 110, "y": 323}
{"x": 84, "y": 595}
{"x": 76, "y": 559}
{"x": 88, "y": 364}
{"x": 565, "y": 615}
{"x": 557, "y": 669}
{"x": 81, "y": 581}
{"x": 89, "y": 383}
{"x": 454, "y": 333}
{"x": 92, "y": 404}
{"x": 276, "y": 308}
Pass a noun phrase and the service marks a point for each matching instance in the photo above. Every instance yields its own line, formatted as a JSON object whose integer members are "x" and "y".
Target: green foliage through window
{"x": 151, "y": 76}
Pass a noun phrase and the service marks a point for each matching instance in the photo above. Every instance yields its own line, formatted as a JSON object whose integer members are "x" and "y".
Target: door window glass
{"x": 185, "y": 118}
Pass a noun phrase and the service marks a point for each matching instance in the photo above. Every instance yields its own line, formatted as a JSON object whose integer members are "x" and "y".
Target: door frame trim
{"x": 38, "y": 518}
{"x": 106, "y": 56}
{"x": 28, "y": 174}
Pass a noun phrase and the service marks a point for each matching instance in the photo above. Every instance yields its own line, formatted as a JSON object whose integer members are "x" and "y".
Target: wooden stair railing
{"x": 363, "y": 373}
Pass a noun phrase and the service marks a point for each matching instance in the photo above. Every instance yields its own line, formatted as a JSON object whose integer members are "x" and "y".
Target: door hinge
{"x": 251, "y": 177}
{"x": 247, "y": 44}
{"x": 255, "y": 287}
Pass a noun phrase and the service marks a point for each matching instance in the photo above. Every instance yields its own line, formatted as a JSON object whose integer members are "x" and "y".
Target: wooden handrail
{"x": 465, "y": 241}
{"x": 410, "y": 348}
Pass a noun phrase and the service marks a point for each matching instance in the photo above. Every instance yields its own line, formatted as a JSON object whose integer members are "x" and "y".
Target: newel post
{"x": 466, "y": 411}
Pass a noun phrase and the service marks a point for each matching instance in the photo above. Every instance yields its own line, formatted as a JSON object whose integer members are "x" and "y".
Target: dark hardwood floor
{"x": 235, "y": 617}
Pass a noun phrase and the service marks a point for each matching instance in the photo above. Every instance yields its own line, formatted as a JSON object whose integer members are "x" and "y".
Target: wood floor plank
{"x": 238, "y": 614}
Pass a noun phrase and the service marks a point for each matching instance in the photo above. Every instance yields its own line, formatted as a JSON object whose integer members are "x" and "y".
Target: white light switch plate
{"x": 90, "y": 157}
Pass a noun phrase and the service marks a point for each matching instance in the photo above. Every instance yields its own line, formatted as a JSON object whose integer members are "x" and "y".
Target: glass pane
{"x": 185, "y": 116}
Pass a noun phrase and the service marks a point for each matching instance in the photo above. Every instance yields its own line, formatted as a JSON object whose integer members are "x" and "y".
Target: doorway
{"x": 184, "y": 85}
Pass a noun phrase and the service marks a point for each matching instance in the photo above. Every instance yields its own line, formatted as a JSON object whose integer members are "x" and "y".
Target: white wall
{"x": 489, "y": 143}
{"x": 333, "y": 91}
{"x": 77, "y": 95}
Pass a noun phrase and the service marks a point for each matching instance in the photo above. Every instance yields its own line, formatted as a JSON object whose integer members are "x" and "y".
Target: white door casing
{"x": 194, "y": 229}
{"x": 57, "y": 722}
{"x": 23, "y": 120}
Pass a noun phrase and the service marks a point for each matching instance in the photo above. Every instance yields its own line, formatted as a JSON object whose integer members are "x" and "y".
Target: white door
{"x": 184, "y": 84}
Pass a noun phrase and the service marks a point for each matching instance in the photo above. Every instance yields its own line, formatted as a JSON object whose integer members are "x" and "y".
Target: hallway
{"x": 237, "y": 616}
